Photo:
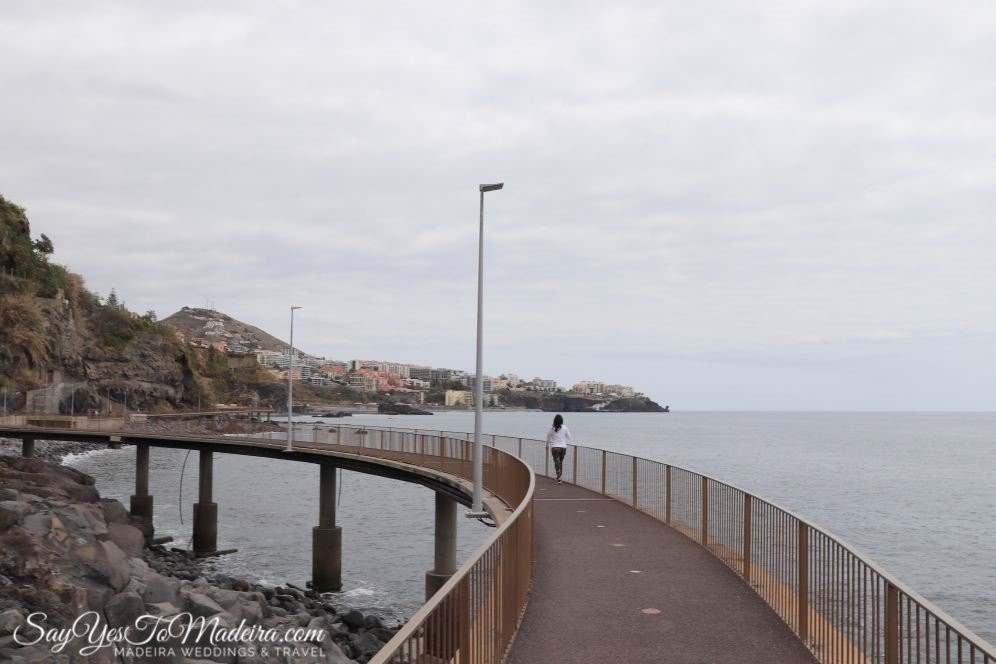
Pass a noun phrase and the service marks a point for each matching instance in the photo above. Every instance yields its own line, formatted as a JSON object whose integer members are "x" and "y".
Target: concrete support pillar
{"x": 141, "y": 501}
{"x": 205, "y": 510}
{"x": 27, "y": 447}
{"x": 326, "y": 539}
{"x": 445, "y": 557}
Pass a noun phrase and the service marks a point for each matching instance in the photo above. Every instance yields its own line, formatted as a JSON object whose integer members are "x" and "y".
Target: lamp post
{"x": 476, "y": 509}
{"x": 290, "y": 388}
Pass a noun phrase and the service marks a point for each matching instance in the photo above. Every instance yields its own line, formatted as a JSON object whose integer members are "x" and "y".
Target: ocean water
{"x": 916, "y": 492}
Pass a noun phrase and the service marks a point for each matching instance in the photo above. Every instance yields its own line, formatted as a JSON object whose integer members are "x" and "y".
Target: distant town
{"x": 243, "y": 346}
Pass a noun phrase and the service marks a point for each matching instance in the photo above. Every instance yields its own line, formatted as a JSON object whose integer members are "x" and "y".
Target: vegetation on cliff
{"x": 54, "y": 333}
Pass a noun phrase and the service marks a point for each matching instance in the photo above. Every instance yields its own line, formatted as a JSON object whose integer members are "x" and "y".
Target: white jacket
{"x": 560, "y": 438}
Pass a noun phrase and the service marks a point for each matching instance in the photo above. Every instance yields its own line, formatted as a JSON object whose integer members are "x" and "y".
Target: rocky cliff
{"x": 64, "y": 349}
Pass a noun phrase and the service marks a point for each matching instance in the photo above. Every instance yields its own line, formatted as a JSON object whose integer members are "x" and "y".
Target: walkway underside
{"x": 615, "y": 585}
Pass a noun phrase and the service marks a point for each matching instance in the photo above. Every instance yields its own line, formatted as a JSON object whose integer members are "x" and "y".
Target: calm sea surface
{"x": 914, "y": 491}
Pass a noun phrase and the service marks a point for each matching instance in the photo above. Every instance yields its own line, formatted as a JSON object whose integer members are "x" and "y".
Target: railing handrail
{"x": 414, "y": 623}
{"x": 978, "y": 642}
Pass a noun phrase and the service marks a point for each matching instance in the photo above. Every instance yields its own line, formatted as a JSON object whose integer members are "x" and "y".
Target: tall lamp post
{"x": 477, "y": 509}
{"x": 290, "y": 389}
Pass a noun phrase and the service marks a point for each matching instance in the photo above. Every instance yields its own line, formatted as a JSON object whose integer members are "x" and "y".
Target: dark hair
{"x": 558, "y": 421}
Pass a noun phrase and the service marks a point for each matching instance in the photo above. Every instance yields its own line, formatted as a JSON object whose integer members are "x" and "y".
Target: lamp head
{"x": 492, "y": 187}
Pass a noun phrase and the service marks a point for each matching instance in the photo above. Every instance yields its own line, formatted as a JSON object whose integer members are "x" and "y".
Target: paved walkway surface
{"x": 615, "y": 585}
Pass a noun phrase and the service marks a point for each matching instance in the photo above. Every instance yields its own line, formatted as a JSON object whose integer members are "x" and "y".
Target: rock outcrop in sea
{"x": 79, "y": 584}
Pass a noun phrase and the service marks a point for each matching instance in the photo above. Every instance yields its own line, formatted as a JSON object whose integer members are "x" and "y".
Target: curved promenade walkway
{"x": 613, "y": 584}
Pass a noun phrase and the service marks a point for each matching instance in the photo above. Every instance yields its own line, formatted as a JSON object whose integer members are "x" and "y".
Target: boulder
{"x": 251, "y": 612}
{"x": 200, "y": 604}
{"x": 12, "y": 513}
{"x": 10, "y": 620}
{"x": 229, "y": 600}
{"x": 124, "y": 609}
{"x": 113, "y": 565}
{"x": 353, "y": 619}
{"x": 95, "y": 595}
{"x": 365, "y": 642}
{"x": 160, "y": 589}
{"x": 334, "y": 654}
{"x": 161, "y": 609}
{"x": 114, "y": 511}
{"x": 93, "y": 518}
{"x": 128, "y": 538}
{"x": 38, "y": 525}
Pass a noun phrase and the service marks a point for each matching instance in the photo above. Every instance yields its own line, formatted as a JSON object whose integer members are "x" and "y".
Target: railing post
{"x": 520, "y": 448}
{"x": 705, "y": 512}
{"x": 667, "y": 494}
{"x": 747, "y": 536}
{"x": 892, "y": 624}
{"x": 603, "y": 471}
{"x": 462, "y": 620}
{"x": 574, "y": 464}
{"x": 804, "y": 581}
{"x": 635, "y": 475}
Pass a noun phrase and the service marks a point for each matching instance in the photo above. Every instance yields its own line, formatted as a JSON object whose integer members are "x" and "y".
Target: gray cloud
{"x": 715, "y": 202}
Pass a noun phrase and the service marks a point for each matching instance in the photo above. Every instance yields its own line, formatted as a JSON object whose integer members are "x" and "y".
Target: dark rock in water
{"x": 400, "y": 409}
{"x": 353, "y": 619}
{"x": 634, "y": 405}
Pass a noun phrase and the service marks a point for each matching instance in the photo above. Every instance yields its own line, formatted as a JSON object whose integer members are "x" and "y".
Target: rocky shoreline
{"x": 67, "y": 555}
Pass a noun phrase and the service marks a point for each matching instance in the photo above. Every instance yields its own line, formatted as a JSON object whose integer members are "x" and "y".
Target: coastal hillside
{"x": 207, "y": 326}
{"x": 64, "y": 349}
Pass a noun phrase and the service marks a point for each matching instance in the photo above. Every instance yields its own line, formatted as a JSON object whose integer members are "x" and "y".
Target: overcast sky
{"x": 727, "y": 205}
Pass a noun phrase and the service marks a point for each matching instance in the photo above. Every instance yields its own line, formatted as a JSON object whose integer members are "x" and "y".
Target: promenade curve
{"x": 840, "y": 605}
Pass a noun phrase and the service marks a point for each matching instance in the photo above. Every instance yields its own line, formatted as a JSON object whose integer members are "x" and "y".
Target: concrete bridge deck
{"x": 615, "y": 585}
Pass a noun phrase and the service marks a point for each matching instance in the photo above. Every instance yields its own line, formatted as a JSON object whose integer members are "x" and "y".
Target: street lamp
{"x": 477, "y": 509}
{"x": 290, "y": 388}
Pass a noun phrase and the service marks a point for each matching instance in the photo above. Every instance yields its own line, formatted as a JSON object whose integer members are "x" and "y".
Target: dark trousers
{"x": 558, "y": 459}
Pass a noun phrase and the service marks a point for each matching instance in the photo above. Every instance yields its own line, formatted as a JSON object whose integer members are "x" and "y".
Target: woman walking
{"x": 557, "y": 440}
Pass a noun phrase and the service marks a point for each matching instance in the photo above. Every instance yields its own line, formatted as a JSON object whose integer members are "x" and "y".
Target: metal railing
{"x": 473, "y": 617}
{"x": 78, "y": 422}
{"x": 844, "y": 607}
